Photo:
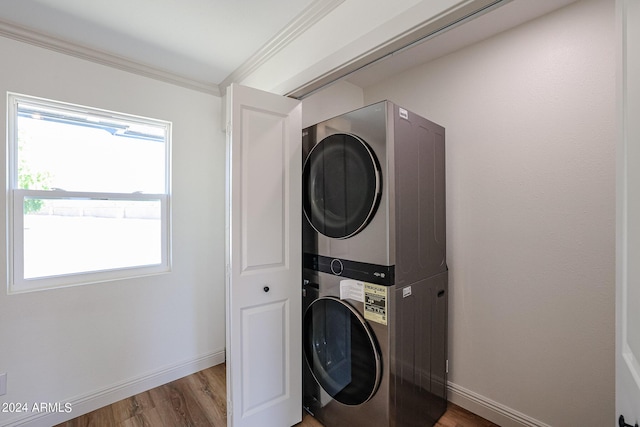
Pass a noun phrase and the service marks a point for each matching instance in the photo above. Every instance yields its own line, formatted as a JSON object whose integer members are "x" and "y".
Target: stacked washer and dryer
{"x": 375, "y": 274}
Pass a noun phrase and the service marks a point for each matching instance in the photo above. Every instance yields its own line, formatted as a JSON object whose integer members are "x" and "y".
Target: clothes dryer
{"x": 374, "y": 195}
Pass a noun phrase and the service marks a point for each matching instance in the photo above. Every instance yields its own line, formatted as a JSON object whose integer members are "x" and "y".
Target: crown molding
{"x": 27, "y": 35}
{"x": 305, "y": 20}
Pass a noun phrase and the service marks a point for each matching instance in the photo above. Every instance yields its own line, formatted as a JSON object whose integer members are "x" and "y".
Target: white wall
{"x": 93, "y": 344}
{"x": 339, "y": 98}
{"x": 530, "y": 119}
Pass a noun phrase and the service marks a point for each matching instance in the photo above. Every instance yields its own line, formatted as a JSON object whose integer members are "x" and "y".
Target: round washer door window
{"x": 341, "y": 185}
{"x": 341, "y": 351}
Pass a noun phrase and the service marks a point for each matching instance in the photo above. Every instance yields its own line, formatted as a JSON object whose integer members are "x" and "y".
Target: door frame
{"x": 628, "y": 162}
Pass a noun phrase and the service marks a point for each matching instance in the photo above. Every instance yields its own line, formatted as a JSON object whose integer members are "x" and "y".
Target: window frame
{"x": 15, "y": 197}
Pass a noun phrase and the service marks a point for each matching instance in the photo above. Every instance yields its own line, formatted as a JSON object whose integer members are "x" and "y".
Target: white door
{"x": 628, "y": 234}
{"x": 264, "y": 303}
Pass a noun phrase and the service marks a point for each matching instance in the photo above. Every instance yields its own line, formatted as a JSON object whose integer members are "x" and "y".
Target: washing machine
{"x": 375, "y": 355}
{"x": 374, "y": 269}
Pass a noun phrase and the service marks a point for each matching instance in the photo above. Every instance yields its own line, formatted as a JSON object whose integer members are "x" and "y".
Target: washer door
{"x": 341, "y": 351}
{"x": 341, "y": 185}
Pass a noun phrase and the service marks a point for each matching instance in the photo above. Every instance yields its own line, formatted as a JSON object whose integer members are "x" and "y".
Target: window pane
{"x": 68, "y": 236}
{"x": 73, "y": 152}
{"x": 89, "y": 194}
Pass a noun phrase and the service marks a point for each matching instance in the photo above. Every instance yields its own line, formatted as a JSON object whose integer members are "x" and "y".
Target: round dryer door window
{"x": 341, "y": 185}
{"x": 341, "y": 351}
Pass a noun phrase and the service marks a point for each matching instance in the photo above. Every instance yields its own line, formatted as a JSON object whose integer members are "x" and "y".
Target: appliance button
{"x": 336, "y": 267}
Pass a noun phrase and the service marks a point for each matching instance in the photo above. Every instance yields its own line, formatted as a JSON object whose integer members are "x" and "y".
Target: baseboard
{"x": 489, "y": 409}
{"x": 92, "y": 401}
{"x": 470, "y": 400}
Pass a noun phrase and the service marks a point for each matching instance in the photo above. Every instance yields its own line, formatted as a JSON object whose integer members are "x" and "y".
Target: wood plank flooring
{"x": 200, "y": 400}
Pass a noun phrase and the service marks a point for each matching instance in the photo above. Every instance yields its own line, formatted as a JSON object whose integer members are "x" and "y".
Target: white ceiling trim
{"x": 27, "y": 35}
{"x": 306, "y": 19}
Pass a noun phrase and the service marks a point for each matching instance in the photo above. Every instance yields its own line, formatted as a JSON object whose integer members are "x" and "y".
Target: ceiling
{"x": 207, "y": 44}
{"x": 201, "y": 40}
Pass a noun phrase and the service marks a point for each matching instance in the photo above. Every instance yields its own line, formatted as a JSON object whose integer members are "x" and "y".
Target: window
{"x": 88, "y": 195}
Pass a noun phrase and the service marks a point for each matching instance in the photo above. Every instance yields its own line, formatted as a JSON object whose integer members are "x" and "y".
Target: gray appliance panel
{"x": 418, "y": 197}
{"x": 418, "y": 374}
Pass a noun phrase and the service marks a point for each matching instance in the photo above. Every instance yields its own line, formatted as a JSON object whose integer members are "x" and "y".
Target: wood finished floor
{"x": 200, "y": 400}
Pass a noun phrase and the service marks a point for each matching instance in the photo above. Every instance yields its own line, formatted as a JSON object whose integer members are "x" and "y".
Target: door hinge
{"x": 621, "y": 422}
{"x": 446, "y": 366}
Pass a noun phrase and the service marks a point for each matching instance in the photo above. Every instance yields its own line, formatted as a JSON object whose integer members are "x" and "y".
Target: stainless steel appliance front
{"x": 374, "y": 218}
{"x": 376, "y": 371}
{"x": 374, "y": 192}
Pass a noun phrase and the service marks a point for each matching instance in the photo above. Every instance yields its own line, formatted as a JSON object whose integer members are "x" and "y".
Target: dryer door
{"x": 341, "y": 185}
{"x": 341, "y": 351}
